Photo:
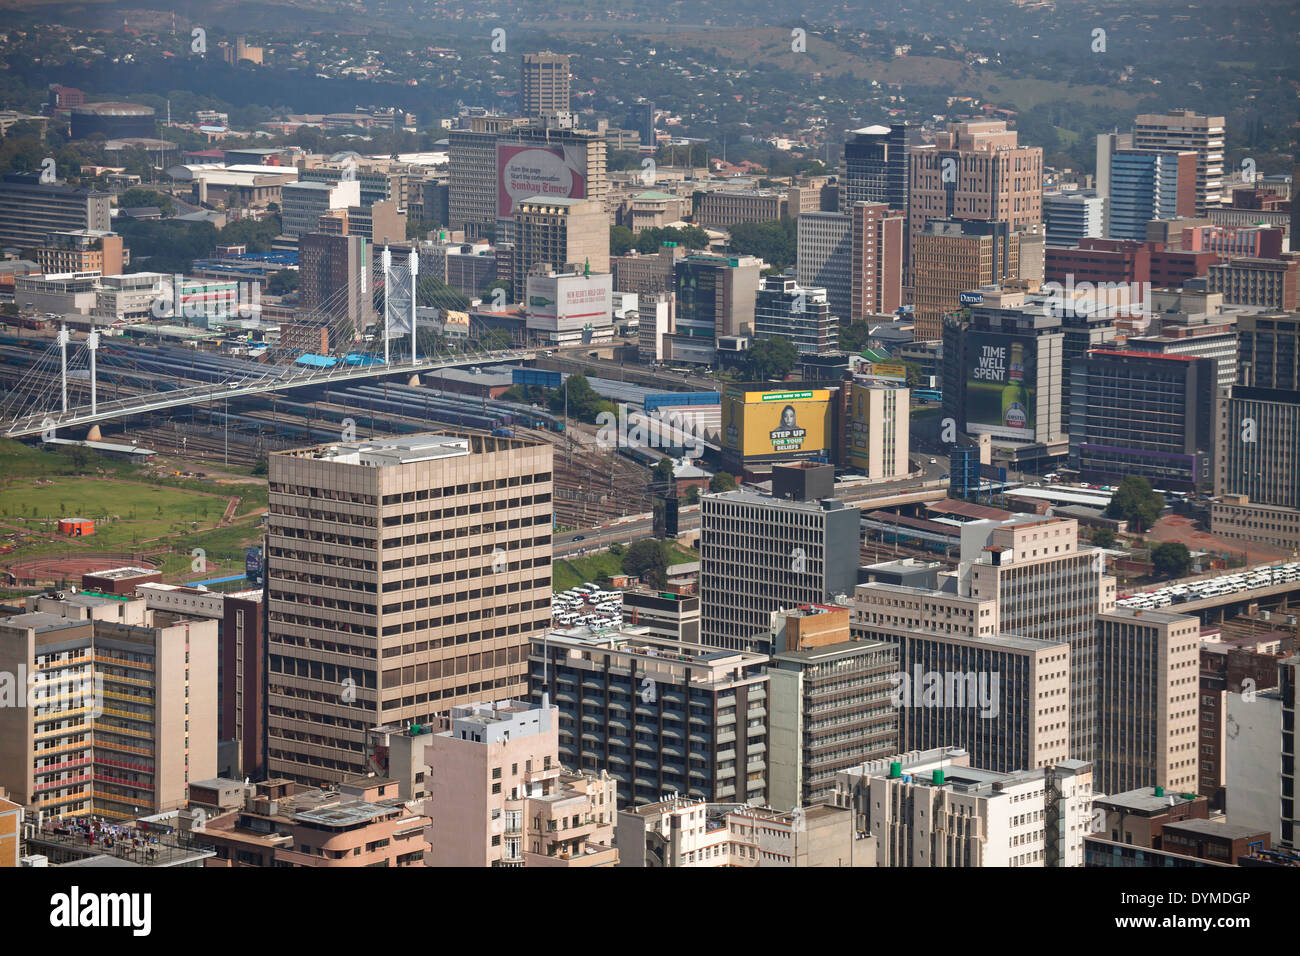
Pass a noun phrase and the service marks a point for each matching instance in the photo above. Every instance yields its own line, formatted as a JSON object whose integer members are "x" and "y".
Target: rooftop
{"x": 395, "y": 451}
{"x": 1145, "y": 800}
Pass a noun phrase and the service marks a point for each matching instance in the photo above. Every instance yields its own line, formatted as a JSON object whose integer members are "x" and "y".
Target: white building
{"x": 302, "y": 204}
{"x": 570, "y": 308}
{"x": 931, "y": 808}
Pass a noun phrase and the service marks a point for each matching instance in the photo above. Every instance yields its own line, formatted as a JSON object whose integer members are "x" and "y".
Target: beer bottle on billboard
{"x": 1015, "y": 397}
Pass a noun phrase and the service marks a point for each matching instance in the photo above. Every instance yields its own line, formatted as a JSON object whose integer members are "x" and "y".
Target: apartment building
{"x": 359, "y": 823}
{"x": 11, "y": 832}
{"x": 1148, "y": 677}
{"x": 1269, "y": 284}
{"x": 122, "y": 708}
{"x": 660, "y": 716}
{"x": 931, "y": 808}
{"x": 570, "y": 235}
{"x": 498, "y": 795}
{"x": 31, "y": 210}
{"x": 760, "y": 554}
{"x": 82, "y": 250}
{"x": 877, "y": 428}
{"x": 825, "y": 258}
{"x": 404, "y": 577}
{"x": 678, "y": 832}
{"x": 332, "y": 284}
{"x": 832, "y": 703}
{"x": 1183, "y": 129}
{"x": 241, "y": 672}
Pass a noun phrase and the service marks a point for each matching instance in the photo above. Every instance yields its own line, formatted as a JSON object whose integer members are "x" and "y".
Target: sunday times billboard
{"x": 776, "y": 424}
{"x": 525, "y": 171}
{"x": 1001, "y": 382}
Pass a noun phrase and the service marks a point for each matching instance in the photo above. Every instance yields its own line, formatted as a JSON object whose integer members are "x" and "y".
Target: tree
{"x": 1170, "y": 559}
{"x": 137, "y": 198}
{"x": 260, "y": 466}
{"x": 854, "y": 336}
{"x": 648, "y": 560}
{"x": 770, "y": 358}
{"x": 773, "y": 241}
{"x": 913, "y": 374}
{"x": 282, "y": 282}
{"x": 1135, "y": 502}
{"x": 663, "y": 470}
{"x": 1103, "y": 537}
{"x": 620, "y": 240}
{"x": 721, "y": 481}
{"x": 430, "y": 291}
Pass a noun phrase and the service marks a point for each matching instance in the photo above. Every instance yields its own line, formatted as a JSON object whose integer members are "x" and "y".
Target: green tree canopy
{"x": 1136, "y": 503}
{"x": 621, "y": 240}
{"x": 1170, "y": 559}
{"x": 1102, "y": 537}
{"x": 770, "y": 358}
{"x": 663, "y": 470}
{"x": 137, "y": 198}
{"x": 648, "y": 560}
{"x": 774, "y": 242}
{"x": 721, "y": 481}
{"x": 282, "y": 282}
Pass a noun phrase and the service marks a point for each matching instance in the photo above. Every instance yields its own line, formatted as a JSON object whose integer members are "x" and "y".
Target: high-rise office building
{"x": 1144, "y": 414}
{"x": 332, "y": 286}
{"x": 1146, "y": 185}
{"x": 498, "y": 795}
{"x": 759, "y": 554}
{"x": 876, "y": 270}
{"x": 1288, "y": 674}
{"x": 1186, "y": 130}
{"x": 876, "y": 166}
{"x": 801, "y": 315}
{"x": 825, "y": 258}
{"x": 30, "y": 210}
{"x": 953, "y": 256}
{"x": 1191, "y": 335}
{"x": 1071, "y": 216}
{"x": 404, "y": 577}
{"x": 660, "y": 716}
{"x": 124, "y": 711}
{"x": 1107, "y": 145}
{"x": 1268, "y": 350}
{"x": 1148, "y": 687}
{"x": 1272, "y": 284}
{"x": 831, "y": 703}
{"x": 302, "y": 204}
{"x": 876, "y": 428}
{"x": 546, "y": 80}
{"x": 1257, "y": 474}
{"x": 976, "y": 170}
{"x": 564, "y": 234}
{"x": 715, "y": 296}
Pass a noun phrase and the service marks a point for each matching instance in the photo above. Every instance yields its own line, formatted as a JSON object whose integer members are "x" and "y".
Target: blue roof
{"x": 360, "y": 358}
{"x": 319, "y": 361}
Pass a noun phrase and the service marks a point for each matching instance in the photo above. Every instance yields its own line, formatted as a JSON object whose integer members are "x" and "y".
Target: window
{"x": 496, "y": 788}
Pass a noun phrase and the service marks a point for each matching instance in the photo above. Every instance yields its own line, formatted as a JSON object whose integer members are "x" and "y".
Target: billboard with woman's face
{"x": 776, "y": 423}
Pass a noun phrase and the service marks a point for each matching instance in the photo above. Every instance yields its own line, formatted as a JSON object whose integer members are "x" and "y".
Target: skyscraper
{"x": 952, "y": 257}
{"x": 875, "y": 166}
{"x": 545, "y": 78}
{"x": 876, "y": 270}
{"x": 404, "y": 577}
{"x": 1071, "y": 216}
{"x": 1185, "y": 129}
{"x": 1149, "y": 184}
{"x": 559, "y": 233}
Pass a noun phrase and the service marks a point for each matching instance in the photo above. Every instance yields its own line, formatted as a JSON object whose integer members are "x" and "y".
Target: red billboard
{"x": 524, "y": 171}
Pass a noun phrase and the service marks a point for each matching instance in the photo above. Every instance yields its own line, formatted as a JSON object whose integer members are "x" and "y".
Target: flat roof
{"x": 395, "y": 451}
{"x": 1216, "y": 828}
{"x": 1144, "y": 800}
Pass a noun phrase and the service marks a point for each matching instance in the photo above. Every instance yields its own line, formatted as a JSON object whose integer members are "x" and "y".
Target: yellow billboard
{"x": 776, "y": 424}
{"x": 889, "y": 370}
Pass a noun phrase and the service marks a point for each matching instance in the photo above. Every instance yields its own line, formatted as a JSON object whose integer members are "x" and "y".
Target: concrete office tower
{"x": 876, "y": 270}
{"x": 1171, "y": 443}
{"x": 1147, "y": 680}
{"x": 1047, "y": 589}
{"x": 825, "y": 258}
{"x": 1071, "y": 216}
{"x": 499, "y": 797}
{"x": 955, "y": 256}
{"x": 404, "y": 577}
{"x": 241, "y": 669}
{"x": 663, "y": 613}
{"x": 933, "y": 808}
{"x": 1288, "y": 679}
{"x": 785, "y": 309}
{"x": 475, "y": 201}
{"x": 30, "y": 210}
{"x": 1254, "y": 754}
{"x": 302, "y": 204}
{"x": 1294, "y": 234}
{"x": 760, "y": 554}
{"x": 545, "y": 78}
{"x": 715, "y": 296}
{"x": 1107, "y": 145}
{"x": 661, "y": 716}
{"x": 81, "y": 250}
{"x": 876, "y": 166}
{"x": 877, "y": 429}
{"x": 831, "y": 705}
{"x": 568, "y": 235}
{"x": 1186, "y": 130}
{"x": 975, "y": 170}
{"x": 1192, "y": 336}
{"x": 1268, "y": 350}
{"x": 1146, "y": 185}
{"x": 125, "y": 708}
{"x": 1257, "y": 469}
{"x": 331, "y": 286}
{"x": 692, "y": 833}
{"x": 1004, "y": 698}
{"x": 1270, "y": 284}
